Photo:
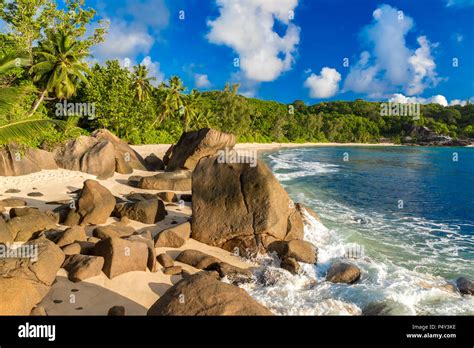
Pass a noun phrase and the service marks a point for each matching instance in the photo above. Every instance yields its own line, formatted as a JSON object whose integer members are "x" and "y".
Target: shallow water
{"x": 408, "y": 213}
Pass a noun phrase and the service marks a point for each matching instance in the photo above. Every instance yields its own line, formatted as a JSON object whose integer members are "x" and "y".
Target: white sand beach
{"x": 136, "y": 291}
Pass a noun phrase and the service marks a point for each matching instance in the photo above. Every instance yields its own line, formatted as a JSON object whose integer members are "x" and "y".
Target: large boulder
{"x": 343, "y": 272}
{"x": 465, "y": 286}
{"x": 26, "y": 227}
{"x": 307, "y": 213}
{"x": 80, "y": 267}
{"x": 124, "y": 155}
{"x": 192, "y": 146}
{"x": 6, "y": 235}
{"x": 94, "y": 205}
{"x": 121, "y": 256}
{"x": 173, "y": 237}
{"x": 236, "y": 205}
{"x": 147, "y": 212}
{"x": 87, "y": 154}
{"x": 301, "y": 251}
{"x": 24, "y": 281}
{"x": 15, "y": 161}
{"x": 204, "y": 295}
{"x": 174, "y": 181}
{"x": 154, "y": 163}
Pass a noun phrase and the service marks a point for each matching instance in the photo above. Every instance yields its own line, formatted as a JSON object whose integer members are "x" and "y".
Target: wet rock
{"x": 290, "y": 264}
{"x": 343, "y": 272}
{"x": 301, "y": 250}
{"x": 305, "y": 211}
{"x": 465, "y": 286}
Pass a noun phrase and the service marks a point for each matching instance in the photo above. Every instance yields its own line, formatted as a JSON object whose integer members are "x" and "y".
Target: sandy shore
{"x": 160, "y": 149}
{"x": 136, "y": 291}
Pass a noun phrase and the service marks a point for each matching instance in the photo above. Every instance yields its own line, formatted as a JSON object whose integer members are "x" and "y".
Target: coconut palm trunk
{"x": 37, "y": 103}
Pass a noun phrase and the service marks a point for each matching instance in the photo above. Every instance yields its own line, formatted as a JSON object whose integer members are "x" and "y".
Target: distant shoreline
{"x": 160, "y": 149}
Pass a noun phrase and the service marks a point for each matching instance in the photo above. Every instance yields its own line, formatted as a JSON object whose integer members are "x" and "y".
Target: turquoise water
{"x": 409, "y": 209}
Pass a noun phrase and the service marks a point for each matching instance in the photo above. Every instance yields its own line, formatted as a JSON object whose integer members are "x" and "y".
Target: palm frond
{"x": 26, "y": 129}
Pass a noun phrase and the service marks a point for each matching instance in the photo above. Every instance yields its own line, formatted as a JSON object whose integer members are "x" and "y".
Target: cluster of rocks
{"x": 113, "y": 249}
{"x": 422, "y": 135}
{"x": 235, "y": 206}
{"x": 101, "y": 154}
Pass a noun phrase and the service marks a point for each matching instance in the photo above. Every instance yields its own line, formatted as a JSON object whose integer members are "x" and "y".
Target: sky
{"x": 310, "y": 50}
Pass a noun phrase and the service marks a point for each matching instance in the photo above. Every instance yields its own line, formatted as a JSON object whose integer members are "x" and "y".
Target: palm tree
{"x": 191, "y": 109}
{"x": 58, "y": 66}
{"x": 174, "y": 100}
{"x": 9, "y": 97}
{"x": 203, "y": 119}
{"x": 142, "y": 83}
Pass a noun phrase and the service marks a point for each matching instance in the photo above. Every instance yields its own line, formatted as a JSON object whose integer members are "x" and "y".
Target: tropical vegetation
{"x": 45, "y": 59}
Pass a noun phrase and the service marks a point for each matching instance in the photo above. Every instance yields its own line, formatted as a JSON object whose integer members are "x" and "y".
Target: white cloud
{"x": 458, "y": 37}
{"x": 151, "y": 14}
{"x": 154, "y": 70}
{"x": 137, "y": 34}
{"x": 392, "y": 66}
{"x": 247, "y": 27}
{"x": 124, "y": 40}
{"x": 459, "y": 3}
{"x": 461, "y": 102}
{"x": 437, "y": 99}
{"x": 201, "y": 81}
{"x": 324, "y": 85}
{"x": 423, "y": 67}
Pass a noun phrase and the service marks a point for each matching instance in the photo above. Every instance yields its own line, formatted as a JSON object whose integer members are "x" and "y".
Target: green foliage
{"x": 56, "y": 43}
{"x": 59, "y": 65}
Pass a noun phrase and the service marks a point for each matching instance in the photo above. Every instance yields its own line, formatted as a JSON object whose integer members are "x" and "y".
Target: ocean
{"x": 403, "y": 215}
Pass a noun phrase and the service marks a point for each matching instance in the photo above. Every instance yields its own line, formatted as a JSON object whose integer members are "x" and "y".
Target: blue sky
{"x": 314, "y": 50}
